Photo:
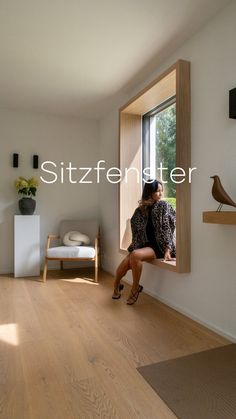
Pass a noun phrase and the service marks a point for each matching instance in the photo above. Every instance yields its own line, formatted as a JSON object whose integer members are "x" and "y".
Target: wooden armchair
{"x": 62, "y": 253}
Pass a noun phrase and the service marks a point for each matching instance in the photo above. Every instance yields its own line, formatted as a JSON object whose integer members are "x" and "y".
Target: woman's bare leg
{"x": 120, "y": 272}
{"x": 133, "y": 261}
{"x": 137, "y": 257}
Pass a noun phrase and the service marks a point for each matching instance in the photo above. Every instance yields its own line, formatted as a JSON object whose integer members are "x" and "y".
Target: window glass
{"x": 160, "y": 152}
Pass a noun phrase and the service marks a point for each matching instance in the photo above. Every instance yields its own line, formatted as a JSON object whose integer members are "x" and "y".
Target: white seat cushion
{"x": 71, "y": 252}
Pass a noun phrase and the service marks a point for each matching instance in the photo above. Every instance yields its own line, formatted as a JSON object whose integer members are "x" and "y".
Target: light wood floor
{"x": 68, "y": 351}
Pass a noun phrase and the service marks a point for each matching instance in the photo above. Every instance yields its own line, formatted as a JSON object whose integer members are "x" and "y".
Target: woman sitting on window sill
{"x": 153, "y": 228}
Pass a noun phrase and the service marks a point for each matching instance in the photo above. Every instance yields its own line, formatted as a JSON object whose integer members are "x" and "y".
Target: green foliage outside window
{"x": 171, "y": 201}
{"x": 166, "y": 148}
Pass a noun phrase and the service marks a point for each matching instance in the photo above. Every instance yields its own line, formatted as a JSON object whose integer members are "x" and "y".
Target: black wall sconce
{"x": 232, "y": 103}
{"x": 15, "y": 160}
{"x": 35, "y": 161}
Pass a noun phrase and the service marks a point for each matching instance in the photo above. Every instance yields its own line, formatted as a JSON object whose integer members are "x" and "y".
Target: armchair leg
{"x": 45, "y": 270}
{"x": 61, "y": 265}
{"x": 96, "y": 269}
{"x": 96, "y": 274}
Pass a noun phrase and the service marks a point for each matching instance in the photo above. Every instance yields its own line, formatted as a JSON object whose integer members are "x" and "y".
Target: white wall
{"x": 208, "y": 293}
{"x": 52, "y": 138}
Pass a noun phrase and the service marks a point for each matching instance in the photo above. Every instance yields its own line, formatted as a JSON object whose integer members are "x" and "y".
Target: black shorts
{"x": 158, "y": 252}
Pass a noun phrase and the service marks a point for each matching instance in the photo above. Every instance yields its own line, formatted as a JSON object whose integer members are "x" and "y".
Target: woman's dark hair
{"x": 150, "y": 188}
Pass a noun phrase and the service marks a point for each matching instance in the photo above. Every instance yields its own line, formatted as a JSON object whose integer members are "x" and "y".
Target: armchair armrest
{"x": 53, "y": 236}
{"x": 50, "y": 238}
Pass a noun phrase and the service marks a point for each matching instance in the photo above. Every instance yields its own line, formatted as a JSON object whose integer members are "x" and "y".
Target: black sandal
{"x": 134, "y": 296}
{"x": 118, "y": 295}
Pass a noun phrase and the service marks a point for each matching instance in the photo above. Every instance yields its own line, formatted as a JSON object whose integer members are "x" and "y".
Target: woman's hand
{"x": 167, "y": 255}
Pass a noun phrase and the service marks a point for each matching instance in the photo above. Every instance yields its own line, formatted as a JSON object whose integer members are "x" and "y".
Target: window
{"x": 146, "y": 138}
{"x": 159, "y": 146}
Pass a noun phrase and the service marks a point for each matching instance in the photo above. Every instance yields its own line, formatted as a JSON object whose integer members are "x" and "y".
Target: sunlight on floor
{"x": 84, "y": 280}
{"x": 9, "y": 334}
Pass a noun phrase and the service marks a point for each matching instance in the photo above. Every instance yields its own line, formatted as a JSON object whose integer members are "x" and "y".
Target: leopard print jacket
{"x": 164, "y": 221}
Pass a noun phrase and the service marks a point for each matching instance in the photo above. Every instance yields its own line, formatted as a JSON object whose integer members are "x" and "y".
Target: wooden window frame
{"x": 175, "y": 80}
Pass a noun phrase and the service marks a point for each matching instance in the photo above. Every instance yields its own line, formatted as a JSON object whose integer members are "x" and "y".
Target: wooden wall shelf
{"x": 219, "y": 217}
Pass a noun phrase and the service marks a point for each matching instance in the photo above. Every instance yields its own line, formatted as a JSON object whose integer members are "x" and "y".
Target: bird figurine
{"x": 219, "y": 194}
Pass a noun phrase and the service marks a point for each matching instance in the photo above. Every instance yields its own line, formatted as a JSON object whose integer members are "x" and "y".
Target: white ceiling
{"x": 73, "y": 56}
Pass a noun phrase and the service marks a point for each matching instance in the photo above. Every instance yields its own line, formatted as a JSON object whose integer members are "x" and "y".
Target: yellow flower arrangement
{"x": 26, "y": 187}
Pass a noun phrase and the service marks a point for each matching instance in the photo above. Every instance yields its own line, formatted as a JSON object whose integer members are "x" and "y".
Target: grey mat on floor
{"x": 197, "y": 386}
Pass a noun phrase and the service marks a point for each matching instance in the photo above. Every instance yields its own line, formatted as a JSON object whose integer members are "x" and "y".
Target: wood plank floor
{"x": 68, "y": 351}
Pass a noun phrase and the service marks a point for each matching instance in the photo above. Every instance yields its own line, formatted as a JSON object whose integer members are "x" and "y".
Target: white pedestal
{"x": 26, "y": 245}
